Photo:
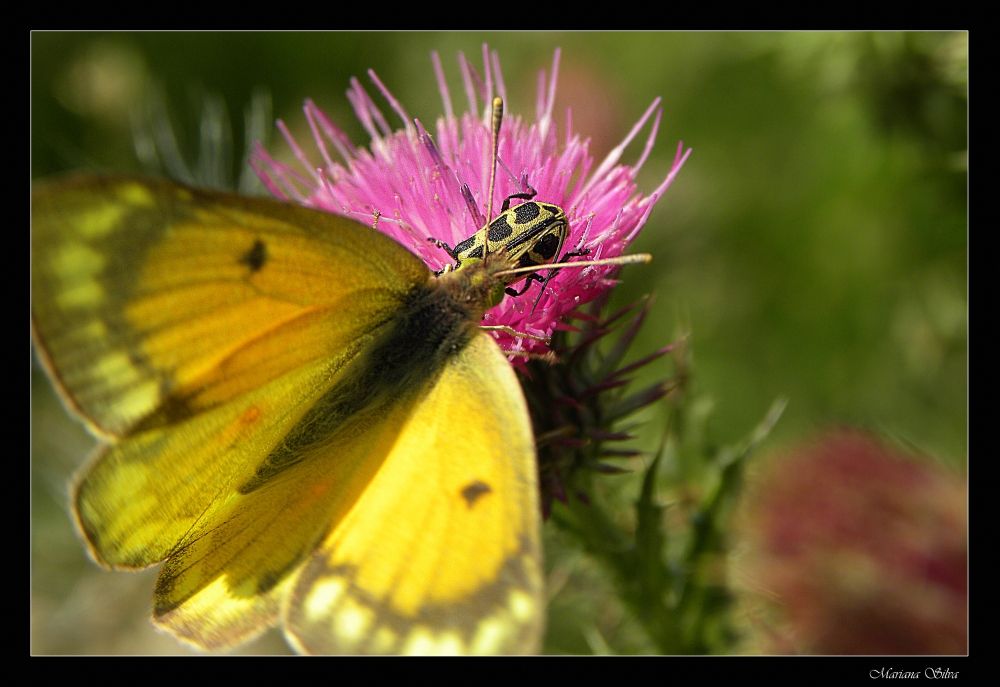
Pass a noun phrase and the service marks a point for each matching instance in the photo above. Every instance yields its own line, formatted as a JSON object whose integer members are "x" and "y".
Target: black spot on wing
{"x": 526, "y": 260}
{"x": 546, "y": 246}
{"x": 526, "y": 212}
{"x": 172, "y": 410}
{"x": 465, "y": 245}
{"x": 267, "y": 581}
{"x": 499, "y": 230}
{"x": 256, "y": 256}
{"x": 472, "y": 492}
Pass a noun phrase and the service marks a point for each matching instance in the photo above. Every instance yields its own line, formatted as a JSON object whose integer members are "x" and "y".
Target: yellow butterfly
{"x": 298, "y": 416}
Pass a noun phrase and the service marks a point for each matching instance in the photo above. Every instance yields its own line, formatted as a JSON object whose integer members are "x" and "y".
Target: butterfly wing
{"x": 453, "y": 513}
{"x": 434, "y": 546}
{"x": 192, "y": 331}
{"x": 214, "y": 342}
{"x": 152, "y": 301}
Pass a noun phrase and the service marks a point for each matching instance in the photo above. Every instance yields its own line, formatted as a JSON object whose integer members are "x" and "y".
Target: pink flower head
{"x": 865, "y": 547}
{"x": 423, "y": 187}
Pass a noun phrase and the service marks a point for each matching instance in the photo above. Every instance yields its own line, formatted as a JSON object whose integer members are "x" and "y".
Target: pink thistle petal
{"x": 329, "y": 130}
{"x": 392, "y": 101}
{"x": 449, "y": 114}
{"x": 498, "y": 75}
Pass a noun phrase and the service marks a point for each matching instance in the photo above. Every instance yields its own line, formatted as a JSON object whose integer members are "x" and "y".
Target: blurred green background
{"x": 814, "y": 245}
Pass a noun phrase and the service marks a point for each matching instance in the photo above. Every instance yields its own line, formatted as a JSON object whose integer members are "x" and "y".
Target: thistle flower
{"x": 419, "y": 188}
{"x": 865, "y": 549}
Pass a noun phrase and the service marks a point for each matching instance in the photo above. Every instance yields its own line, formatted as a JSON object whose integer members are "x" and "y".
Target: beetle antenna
{"x": 497, "y": 121}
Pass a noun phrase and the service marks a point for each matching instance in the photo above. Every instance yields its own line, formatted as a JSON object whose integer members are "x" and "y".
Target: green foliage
{"x": 665, "y": 571}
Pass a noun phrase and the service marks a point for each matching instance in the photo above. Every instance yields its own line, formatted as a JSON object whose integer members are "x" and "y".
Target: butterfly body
{"x": 277, "y": 390}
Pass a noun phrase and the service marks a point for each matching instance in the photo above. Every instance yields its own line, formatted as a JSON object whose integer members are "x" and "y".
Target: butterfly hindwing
{"x": 271, "y": 524}
{"x": 457, "y": 500}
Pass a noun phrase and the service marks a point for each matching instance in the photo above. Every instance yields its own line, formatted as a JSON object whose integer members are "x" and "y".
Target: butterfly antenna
{"x": 497, "y": 121}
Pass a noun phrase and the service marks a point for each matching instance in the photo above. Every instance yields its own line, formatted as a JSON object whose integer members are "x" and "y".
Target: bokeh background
{"x": 814, "y": 246}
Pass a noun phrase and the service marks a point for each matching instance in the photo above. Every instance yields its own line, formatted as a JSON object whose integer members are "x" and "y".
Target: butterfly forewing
{"x": 150, "y": 298}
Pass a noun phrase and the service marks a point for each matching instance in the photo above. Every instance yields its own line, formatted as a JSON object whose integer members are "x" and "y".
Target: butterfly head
{"x": 480, "y": 282}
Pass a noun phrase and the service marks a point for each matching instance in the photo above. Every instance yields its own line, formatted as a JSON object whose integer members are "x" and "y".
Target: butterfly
{"x": 299, "y": 417}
